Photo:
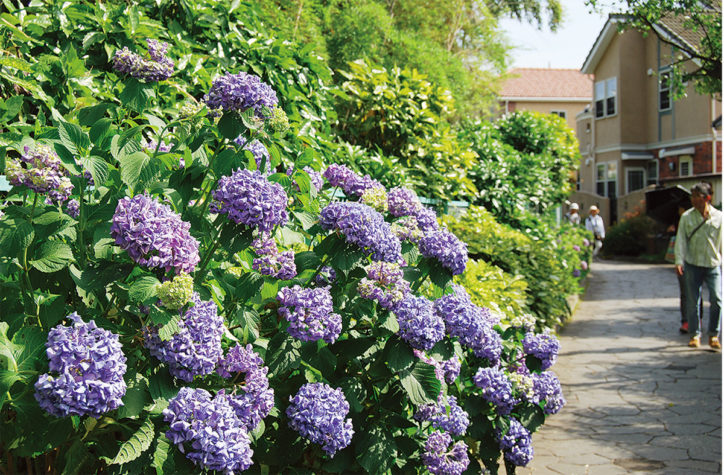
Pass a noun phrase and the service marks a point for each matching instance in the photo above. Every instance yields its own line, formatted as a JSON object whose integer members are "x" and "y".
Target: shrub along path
{"x": 639, "y": 400}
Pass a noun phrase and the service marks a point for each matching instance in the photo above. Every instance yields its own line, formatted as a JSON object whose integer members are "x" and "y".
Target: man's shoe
{"x": 714, "y": 343}
{"x": 684, "y": 328}
{"x": 694, "y": 342}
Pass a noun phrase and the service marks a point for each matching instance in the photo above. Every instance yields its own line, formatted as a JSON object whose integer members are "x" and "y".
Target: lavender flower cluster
{"x": 547, "y": 388}
{"x": 318, "y": 413}
{"x": 255, "y": 399}
{"x": 272, "y": 262}
{"x": 419, "y": 325}
{"x": 446, "y": 415}
{"x": 496, "y": 389}
{"x": 446, "y": 248}
{"x": 441, "y": 459}
{"x": 151, "y": 146}
{"x": 153, "y": 235}
{"x": 261, "y": 154}
{"x": 157, "y": 68}
{"x": 427, "y": 220}
{"x": 385, "y": 283}
{"x": 516, "y": 444}
{"x": 351, "y": 183}
{"x": 326, "y": 276}
{"x": 73, "y": 208}
{"x": 446, "y": 370}
{"x": 403, "y": 202}
{"x": 250, "y": 199}
{"x": 40, "y": 169}
{"x": 363, "y": 226}
{"x": 472, "y": 325}
{"x": 406, "y": 229}
{"x": 208, "y": 431}
{"x": 89, "y": 366}
{"x": 239, "y": 92}
{"x": 309, "y": 313}
{"x": 543, "y": 346}
{"x": 196, "y": 348}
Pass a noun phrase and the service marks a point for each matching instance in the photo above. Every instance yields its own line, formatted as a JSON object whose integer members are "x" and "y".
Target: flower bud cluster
{"x": 442, "y": 459}
{"x": 177, "y": 292}
{"x": 309, "y": 313}
{"x": 516, "y": 444}
{"x": 272, "y": 262}
{"x": 419, "y": 325}
{"x": 406, "y": 229}
{"x": 239, "y": 92}
{"x": 375, "y": 198}
{"x": 403, "y": 202}
{"x": 153, "y": 235}
{"x": 250, "y": 199}
{"x": 543, "y": 346}
{"x": 446, "y": 415}
{"x": 196, "y": 348}
{"x": 384, "y": 283}
{"x": 278, "y": 122}
{"x": 446, "y": 248}
{"x": 255, "y": 399}
{"x": 157, "y": 68}
{"x": 87, "y": 366}
{"x": 363, "y": 226}
{"x": 523, "y": 385}
{"x": 317, "y": 412}
{"x": 40, "y": 169}
{"x": 208, "y": 431}
{"x": 496, "y": 389}
{"x": 526, "y": 321}
{"x": 261, "y": 154}
{"x": 351, "y": 183}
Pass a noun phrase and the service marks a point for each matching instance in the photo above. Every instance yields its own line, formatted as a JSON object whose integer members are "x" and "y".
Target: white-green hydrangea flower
{"x": 176, "y": 293}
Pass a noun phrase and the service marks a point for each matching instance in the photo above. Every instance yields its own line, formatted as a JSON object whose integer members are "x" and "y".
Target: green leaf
{"x": 97, "y": 167}
{"x": 136, "y": 95}
{"x": 169, "y": 329}
{"x": 11, "y": 108}
{"x": 52, "y": 256}
{"x": 420, "y": 384}
{"x": 269, "y": 290}
{"x": 139, "y": 442}
{"x": 230, "y": 125}
{"x": 306, "y": 218}
{"x": 15, "y": 236}
{"x": 73, "y": 138}
{"x": 306, "y": 260}
{"x": 162, "y": 463}
{"x": 75, "y": 458}
{"x": 99, "y": 133}
{"x": 132, "y": 166}
{"x": 7, "y": 379}
{"x": 531, "y": 417}
{"x": 135, "y": 399}
{"x": 376, "y": 450}
{"x": 283, "y": 353}
{"x": 89, "y": 116}
{"x": 249, "y": 321}
{"x": 143, "y": 289}
{"x": 399, "y": 355}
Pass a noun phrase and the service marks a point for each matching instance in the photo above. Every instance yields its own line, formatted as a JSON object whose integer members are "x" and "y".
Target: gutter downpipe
{"x": 713, "y": 136}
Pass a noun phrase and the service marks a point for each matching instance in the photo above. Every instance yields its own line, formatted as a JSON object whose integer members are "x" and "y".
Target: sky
{"x": 567, "y": 48}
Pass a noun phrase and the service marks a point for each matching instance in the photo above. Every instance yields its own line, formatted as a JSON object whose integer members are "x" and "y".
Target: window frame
{"x": 628, "y": 179}
{"x": 605, "y": 92}
{"x": 610, "y": 175}
{"x": 689, "y": 160}
{"x": 665, "y": 90}
{"x": 652, "y": 180}
{"x": 559, "y": 113}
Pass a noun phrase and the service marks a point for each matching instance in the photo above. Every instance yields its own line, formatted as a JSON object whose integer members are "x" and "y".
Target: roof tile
{"x": 546, "y": 82}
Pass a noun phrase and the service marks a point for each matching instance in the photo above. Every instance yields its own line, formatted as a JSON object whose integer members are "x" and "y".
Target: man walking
{"x": 594, "y": 223}
{"x": 698, "y": 259}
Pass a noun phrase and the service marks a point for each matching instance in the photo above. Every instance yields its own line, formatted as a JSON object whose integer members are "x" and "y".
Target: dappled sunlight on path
{"x": 639, "y": 400}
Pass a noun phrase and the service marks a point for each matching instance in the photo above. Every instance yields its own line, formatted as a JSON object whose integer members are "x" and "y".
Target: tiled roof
{"x": 542, "y": 83}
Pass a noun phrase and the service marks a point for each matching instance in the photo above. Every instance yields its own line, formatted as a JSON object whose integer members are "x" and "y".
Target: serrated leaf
{"x": 306, "y": 218}
{"x": 89, "y": 116}
{"x": 143, "y": 289}
{"x": 11, "y": 108}
{"x": 398, "y": 354}
{"x": 169, "y": 329}
{"x": 376, "y": 451}
{"x": 132, "y": 166}
{"x": 139, "y": 442}
{"x": 15, "y": 235}
{"x": 52, "y": 256}
{"x": 283, "y": 353}
{"x": 97, "y": 167}
{"x": 162, "y": 463}
{"x": 136, "y": 95}
{"x": 420, "y": 384}
{"x": 230, "y": 125}
{"x": 73, "y": 138}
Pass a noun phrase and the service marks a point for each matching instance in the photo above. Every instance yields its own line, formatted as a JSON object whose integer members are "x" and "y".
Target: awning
{"x": 636, "y": 155}
{"x": 671, "y": 152}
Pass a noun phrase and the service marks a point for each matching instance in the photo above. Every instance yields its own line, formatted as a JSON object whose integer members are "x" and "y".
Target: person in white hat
{"x": 594, "y": 223}
{"x": 572, "y": 216}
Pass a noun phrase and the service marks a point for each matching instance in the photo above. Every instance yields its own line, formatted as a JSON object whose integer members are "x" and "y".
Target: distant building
{"x": 564, "y": 92}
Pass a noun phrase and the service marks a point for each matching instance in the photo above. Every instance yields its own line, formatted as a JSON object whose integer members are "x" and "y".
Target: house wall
{"x": 632, "y": 81}
{"x": 608, "y": 129}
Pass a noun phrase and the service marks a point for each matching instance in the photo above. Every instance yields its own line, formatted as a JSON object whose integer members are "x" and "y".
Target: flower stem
{"x": 201, "y": 272}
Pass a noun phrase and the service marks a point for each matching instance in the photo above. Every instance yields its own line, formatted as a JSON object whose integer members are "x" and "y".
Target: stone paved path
{"x": 639, "y": 400}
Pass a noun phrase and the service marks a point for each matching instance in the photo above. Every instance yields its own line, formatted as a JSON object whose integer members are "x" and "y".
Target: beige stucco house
{"x": 564, "y": 92}
{"x": 634, "y": 135}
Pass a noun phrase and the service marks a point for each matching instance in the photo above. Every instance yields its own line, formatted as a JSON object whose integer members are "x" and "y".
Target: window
{"x": 605, "y": 96}
{"x": 652, "y": 172}
{"x": 634, "y": 179}
{"x": 561, "y": 114}
{"x": 606, "y": 179}
{"x": 664, "y": 91}
{"x": 685, "y": 168}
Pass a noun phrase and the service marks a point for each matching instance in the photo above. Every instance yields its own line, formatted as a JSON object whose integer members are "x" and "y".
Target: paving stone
{"x": 693, "y": 467}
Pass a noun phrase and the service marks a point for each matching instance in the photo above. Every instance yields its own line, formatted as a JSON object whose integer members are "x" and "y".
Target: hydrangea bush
{"x": 234, "y": 319}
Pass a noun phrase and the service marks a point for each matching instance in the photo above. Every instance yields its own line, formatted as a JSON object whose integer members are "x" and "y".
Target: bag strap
{"x": 688, "y": 238}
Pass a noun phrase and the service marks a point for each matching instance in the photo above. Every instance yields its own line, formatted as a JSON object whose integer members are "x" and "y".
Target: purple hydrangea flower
{"x": 255, "y": 399}
{"x": 441, "y": 459}
{"x": 73, "y": 208}
{"x": 584, "y": 265}
{"x": 196, "y": 348}
{"x": 88, "y": 366}
{"x": 426, "y": 220}
{"x": 576, "y": 273}
{"x": 250, "y": 199}
{"x": 419, "y": 325}
{"x": 261, "y": 154}
{"x": 384, "y": 283}
{"x": 272, "y": 262}
{"x": 326, "y": 276}
{"x": 403, "y": 202}
{"x": 472, "y": 325}
{"x": 547, "y": 388}
{"x": 446, "y": 415}
{"x": 351, "y": 183}
{"x": 153, "y": 235}
{"x": 576, "y": 248}
{"x": 450, "y": 369}
{"x": 496, "y": 389}
{"x": 150, "y": 146}
{"x": 543, "y": 346}
{"x": 157, "y": 68}
{"x": 40, "y": 169}
{"x": 516, "y": 444}
{"x": 318, "y": 413}
{"x": 363, "y": 226}
{"x": 239, "y": 92}
{"x": 208, "y": 431}
{"x": 446, "y": 248}
{"x": 586, "y": 242}
{"x": 309, "y": 313}
{"x": 406, "y": 229}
